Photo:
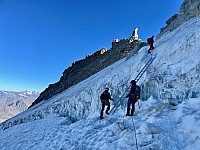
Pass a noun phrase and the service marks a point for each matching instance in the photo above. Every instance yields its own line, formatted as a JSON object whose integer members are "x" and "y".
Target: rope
{"x": 133, "y": 126}
{"x": 136, "y": 143}
{"x": 135, "y": 133}
{"x": 137, "y": 79}
{"x": 122, "y": 97}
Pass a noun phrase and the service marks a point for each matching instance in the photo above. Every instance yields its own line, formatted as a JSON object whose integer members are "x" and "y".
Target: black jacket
{"x": 105, "y": 96}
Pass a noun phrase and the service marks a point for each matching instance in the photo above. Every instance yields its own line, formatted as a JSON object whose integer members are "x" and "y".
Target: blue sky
{"x": 40, "y": 38}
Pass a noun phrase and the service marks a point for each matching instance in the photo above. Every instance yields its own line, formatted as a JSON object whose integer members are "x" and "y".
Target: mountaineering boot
{"x": 128, "y": 111}
{"x": 132, "y": 111}
{"x": 107, "y": 112}
{"x": 101, "y": 114}
{"x": 108, "y": 108}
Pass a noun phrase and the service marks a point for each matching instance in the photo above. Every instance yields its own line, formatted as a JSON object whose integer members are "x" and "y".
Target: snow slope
{"x": 70, "y": 120}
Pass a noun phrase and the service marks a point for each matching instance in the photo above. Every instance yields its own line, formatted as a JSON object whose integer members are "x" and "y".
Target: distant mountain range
{"x": 13, "y": 103}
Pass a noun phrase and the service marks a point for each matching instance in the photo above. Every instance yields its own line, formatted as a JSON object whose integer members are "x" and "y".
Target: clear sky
{"x": 41, "y": 38}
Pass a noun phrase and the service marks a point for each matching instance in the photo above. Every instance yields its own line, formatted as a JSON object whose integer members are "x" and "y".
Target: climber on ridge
{"x": 105, "y": 97}
{"x": 133, "y": 97}
{"x": 150, "y": 41}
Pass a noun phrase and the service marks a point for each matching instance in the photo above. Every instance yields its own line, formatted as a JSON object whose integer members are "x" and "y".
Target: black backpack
{"x": 102, "y": 97}
{"x": 137, "y": 91}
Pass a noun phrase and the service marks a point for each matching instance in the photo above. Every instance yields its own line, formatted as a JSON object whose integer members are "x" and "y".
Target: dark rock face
{"x": 189, "y": 9}
{"x": 82, "y": 69}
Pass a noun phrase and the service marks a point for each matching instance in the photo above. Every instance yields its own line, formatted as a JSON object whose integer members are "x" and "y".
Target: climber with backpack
{"x": 150, "y": 41}
{"x": 133, "y": 97}
{"x": 105, "y": 97}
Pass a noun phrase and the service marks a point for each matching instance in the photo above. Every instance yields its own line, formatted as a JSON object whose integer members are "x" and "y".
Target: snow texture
{"x": 170, "y": 105}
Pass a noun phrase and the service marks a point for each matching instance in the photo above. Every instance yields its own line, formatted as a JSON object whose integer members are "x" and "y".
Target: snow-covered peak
{"x": 29, "y": 92}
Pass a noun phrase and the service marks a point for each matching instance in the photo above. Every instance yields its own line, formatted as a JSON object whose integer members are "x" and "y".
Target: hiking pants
{"x": 151, "y": 47}
{"x": 105, "y": 103}
{"x": 131, "y": 101}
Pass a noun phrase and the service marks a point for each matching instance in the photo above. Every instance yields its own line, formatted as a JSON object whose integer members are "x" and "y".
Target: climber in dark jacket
{"x": 151, "y": 44}
{"x": 133, "y": 97}
{"x": 105, "y": 97}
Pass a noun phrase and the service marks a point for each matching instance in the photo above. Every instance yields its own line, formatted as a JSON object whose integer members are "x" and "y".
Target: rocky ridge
{"x": 189, "y": 9}
{"x": 82, "y": 69}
